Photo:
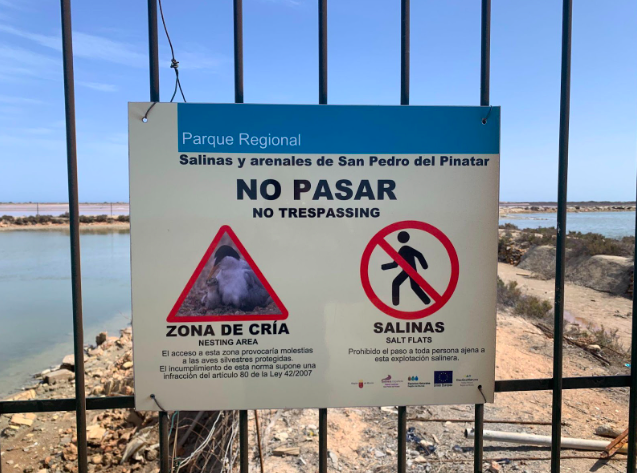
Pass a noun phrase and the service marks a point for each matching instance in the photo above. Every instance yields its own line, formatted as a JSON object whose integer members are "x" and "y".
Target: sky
{"x": 281, "y": 66}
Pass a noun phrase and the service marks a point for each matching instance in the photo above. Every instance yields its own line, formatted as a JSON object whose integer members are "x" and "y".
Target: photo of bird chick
{"x": 227, "y": 285}
{"x": 211, "y": 299}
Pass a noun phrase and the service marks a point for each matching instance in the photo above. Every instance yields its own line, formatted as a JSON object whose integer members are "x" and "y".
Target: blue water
{"x": 35, "y": 297}
{"x": 610, "y": 224}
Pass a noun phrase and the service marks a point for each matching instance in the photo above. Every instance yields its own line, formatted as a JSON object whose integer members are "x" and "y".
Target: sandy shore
{"x": 583, "y": 306}
{"x": 509, "y": 209}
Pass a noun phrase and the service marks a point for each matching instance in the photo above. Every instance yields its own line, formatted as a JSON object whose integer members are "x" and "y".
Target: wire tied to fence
{"x": 145, "y": 117}
{"x": 484, "y": 120}
{"x": 174, "y": 64}
{"x": 154, "y": 398}
{"x": 481, "y": 392}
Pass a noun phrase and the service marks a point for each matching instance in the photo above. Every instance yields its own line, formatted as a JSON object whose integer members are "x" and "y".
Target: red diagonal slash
{"x": 413, "y": 274}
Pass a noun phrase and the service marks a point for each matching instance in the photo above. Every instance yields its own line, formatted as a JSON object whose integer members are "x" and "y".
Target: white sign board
{"x": 290, "y": 256}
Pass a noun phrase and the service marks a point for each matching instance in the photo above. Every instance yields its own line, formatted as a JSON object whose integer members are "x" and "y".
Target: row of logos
{"x": 441, "y": 379}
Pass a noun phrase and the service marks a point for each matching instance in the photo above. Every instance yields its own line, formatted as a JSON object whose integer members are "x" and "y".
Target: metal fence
{"x": 556, "y": 384}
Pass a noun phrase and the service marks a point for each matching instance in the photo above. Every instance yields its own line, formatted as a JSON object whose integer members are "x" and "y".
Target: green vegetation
{"x": 580, "y": 244}
{"x": 540, "y": 311}
{"x": 60, "y": 220}
{"x": 509, "y": 295}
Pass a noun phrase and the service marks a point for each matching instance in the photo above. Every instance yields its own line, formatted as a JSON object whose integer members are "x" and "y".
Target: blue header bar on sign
{"x": 337, "y": 129}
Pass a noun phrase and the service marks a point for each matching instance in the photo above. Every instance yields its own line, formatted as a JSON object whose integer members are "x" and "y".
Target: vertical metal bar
{"x": 153, "y": 51}
{"x": 164, "y": 447}
{"x": 632, "y": 410}
{"x": 153, "y": 63}
{"x": 238, "y": 98}
{"x": 565, "y": 99}
{"x": 485, "y": 53}
{"x": 478, "y": 441}
{"x": 404, "y": 52}
{"x": 238, "y": 51}
{"x": 322, "y": 40}
{"x": 243, "y": 442}
{"x": 485, "y": 75}
{"x": 256, "y": 426}
{"x": 322, "y": 15}
{"x": 322, "y": 440}
{"x": 74, "y": 212}
{"x": 404, "y": 100}
{"x": 402, "y": 439}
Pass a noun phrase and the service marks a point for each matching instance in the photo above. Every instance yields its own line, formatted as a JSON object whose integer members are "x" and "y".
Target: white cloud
{"x": 86, "y": 46}
{"x": 19, "y": 62}
{"x": 19, "y": 100}
{"x": 99, "y": 86}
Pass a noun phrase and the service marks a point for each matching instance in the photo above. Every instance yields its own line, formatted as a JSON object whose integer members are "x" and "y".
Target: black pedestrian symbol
{"x": 410, "y": 255}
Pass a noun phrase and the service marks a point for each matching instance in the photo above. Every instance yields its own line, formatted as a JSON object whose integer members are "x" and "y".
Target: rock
{"x": 70, "y": 453}
{"x": 286, "y": 451}
{"x": 152, "y": 455}
{"x": 424, "y": 444}
{"x": 390, "y": 410}
{"x": 607, "y": 430}
{"x": 311, "y": 430}
{"x": 101, "y": 338}
{"x": 128, "y": 365}
{"x": 94, "y": 433}
{"x": 10, "y": 431}
{"x": 333, "y": 458}
{"x": 378, "y": 454}
{"x": 23, "y": 396}
{"x": 23, "y": 419}
{"x": 107, "y": 460}
{"x": 95, "y": 352}
{"x": 420, "y": 459}
{"x": 281, "y": 436}
{"x": 134, "y": 418}
{"x": 69, "y": 362}
{"x": 58, "y": 376}
{"x": 594, "y": 348}
{"x": 97, "y": 459}
{"x": 457, "y": 449}
{"x": 540, "y": 260}
{"x": 70, "y": 467}
{"x": 603, "y": 273}
{"x": 494, "y": 467}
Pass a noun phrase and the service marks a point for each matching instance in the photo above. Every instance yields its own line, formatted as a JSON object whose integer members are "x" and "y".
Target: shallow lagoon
{"x": 35, "y": 296}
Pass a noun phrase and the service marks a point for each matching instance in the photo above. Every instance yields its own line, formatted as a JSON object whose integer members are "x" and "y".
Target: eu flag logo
{"x": 443, "y": 377}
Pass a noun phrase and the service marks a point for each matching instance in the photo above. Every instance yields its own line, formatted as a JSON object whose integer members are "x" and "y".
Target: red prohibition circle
{"x": 379, "y": 240}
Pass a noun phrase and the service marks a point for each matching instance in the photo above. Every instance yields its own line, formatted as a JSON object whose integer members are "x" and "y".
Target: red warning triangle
{"x": 232, "y": 290}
